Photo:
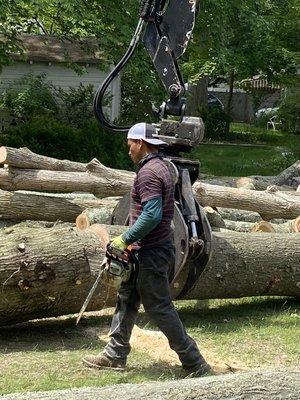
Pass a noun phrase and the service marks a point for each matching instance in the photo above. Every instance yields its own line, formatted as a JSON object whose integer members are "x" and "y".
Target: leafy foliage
{"x": 246, "y": 37}
{"x": 216, "y": 123}
{"x": 289, "y": 111}
{"x": 31, "y": 95}
{"x": 59, "y": 123}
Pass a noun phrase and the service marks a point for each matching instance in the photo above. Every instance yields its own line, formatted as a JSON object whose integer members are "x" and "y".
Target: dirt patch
{"x": 156, "y": 345}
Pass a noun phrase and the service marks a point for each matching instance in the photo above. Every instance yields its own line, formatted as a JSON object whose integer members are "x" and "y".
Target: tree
{"x": 238, "y": 39}
{"x": 232, "y": 38}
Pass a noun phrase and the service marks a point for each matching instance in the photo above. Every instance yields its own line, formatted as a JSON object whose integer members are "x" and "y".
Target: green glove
{"x": 118, "y": 243}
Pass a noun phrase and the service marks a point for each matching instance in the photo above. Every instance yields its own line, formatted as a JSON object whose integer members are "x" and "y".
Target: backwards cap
{"x": 145, "y": 132}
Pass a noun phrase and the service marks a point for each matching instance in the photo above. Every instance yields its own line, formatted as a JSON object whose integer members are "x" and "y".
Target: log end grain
{"x": 245, "y": 183}
{"x": 3, "y": 154}
{"x": 262, "y": 226}
{"x": 296, "y": 225}
{"x": 82, "y": 222}
{"x": 101, "y": 232}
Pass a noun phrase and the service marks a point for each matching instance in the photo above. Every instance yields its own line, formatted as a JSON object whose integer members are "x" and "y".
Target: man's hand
{"x": 118, "y": 243}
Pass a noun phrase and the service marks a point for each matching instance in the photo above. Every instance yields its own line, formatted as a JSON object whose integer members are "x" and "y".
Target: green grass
{"x": 249, "y": 333}
{"x": 237, "y": 160}
{"x": 247, "y": 133}
{"x": 266, "y": 152}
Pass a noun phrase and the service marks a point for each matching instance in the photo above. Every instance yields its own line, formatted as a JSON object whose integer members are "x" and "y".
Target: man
{"x": 152, "y": 209}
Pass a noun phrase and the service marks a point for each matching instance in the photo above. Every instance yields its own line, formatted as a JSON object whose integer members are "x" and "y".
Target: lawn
{"x": 248, "y": 151}
{"x": 246, "y": 334}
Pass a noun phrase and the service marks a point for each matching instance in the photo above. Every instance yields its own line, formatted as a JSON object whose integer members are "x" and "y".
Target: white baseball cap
{"x": 144, "y": 132}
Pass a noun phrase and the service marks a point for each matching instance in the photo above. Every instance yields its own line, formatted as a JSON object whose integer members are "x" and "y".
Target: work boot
{"x": 197, "y": 372}
{"x": 103, "y": 361}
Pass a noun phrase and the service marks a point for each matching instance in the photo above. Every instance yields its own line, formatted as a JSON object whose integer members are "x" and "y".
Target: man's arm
{"x": 146, "y": 222}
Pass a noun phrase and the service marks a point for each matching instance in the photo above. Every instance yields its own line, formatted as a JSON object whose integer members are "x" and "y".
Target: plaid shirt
{"x": 153, "y": 180}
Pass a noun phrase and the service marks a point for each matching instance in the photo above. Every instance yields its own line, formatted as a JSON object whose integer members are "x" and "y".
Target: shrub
{"x": 76, "y": 105}
{"x": 29, "y": 96}
{"x": 264, "y": 116}
{"x": 60, "y": 123}
{"x": 44, "y": 135}
{"x": 289, "y": 111}
{"x": 51, "y": 137}
{"x": 216, "y": 123}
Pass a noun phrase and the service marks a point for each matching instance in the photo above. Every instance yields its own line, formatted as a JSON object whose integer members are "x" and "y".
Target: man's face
{"x": 135, "y": 150}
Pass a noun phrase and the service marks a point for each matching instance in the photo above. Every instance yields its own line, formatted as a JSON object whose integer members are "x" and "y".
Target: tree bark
{"x": 197, "y": 96}
{"x": 113, "y": 183}
{"x": 92, "y": 216}
{"x": 230, "y": 95}
{"x": 295, "y": 182}
{"x": 49, "y": 271}
{"x": 25, "y": 158}
{"x": 47, "y": 207}
{"x": 238, "y": 215}
{"x": 268, "y": 205}
{"x": 284, "y": 180}
{"x": 289, "y": 173}
{"x": 292, "y": 226}
{"x": 256, "y": 385}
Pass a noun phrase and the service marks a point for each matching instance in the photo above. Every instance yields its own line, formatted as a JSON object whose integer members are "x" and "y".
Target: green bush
{"x": 29, "y": 96}
{"x": 76, "y": 105}
{"x": 51, "y": 137}
{"x": 216, "y": 123}
{"x": 59, "y": 123}
{"x": 262, "y": 120}
{"x": 289, "y": 111}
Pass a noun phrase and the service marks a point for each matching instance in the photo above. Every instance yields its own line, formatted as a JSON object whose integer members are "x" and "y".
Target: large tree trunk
{"x": 25, "y": 158}
{"x": 268, "y": 204}
{"x": 257, "y": 385}
{"x": 110, "y": 182}
{"x": 285, "y": 179}
{"x": 47, "y": 207}
{"x": 102, "y": 185}
{"x": 48, "y": 271}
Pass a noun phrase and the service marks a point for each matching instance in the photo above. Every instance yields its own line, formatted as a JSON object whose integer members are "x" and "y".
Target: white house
{"x": 50, "y": 55}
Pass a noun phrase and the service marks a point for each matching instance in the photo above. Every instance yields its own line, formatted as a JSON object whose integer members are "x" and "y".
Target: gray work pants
{"x": 149, "y": 285}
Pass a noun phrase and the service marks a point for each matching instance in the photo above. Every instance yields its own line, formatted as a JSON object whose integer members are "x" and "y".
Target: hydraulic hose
{"x": 97, "y": 105}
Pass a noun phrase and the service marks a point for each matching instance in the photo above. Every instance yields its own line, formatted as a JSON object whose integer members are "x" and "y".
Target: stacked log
{"x": 47, "y": 268}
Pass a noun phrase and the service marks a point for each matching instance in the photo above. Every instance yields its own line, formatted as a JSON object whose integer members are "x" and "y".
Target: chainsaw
{"x": 115, "y": 268}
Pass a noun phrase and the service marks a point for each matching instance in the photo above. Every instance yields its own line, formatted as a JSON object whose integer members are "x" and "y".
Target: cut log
{"x": 262, "y": 182}
{"x": 238, "y": 226}
{"x": 214, "y": 217}
{"x": 65, "y": 181}
{"x": 48, "y": 271}
{"x": 269, "y": 205}
{"x": 262, "y": 226}
{"x": 216, "y": 221}
{"x": 254, "y": 385}
{"x": 292, "y": 226}
{"x": 288, "y": 174}
{"x": 92, "y": 216}
{"x": 238, "y": 215}
{"x": 21, "y": 206}
{"x": 25, "y": 158}
{"x": 295, "y": 182}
